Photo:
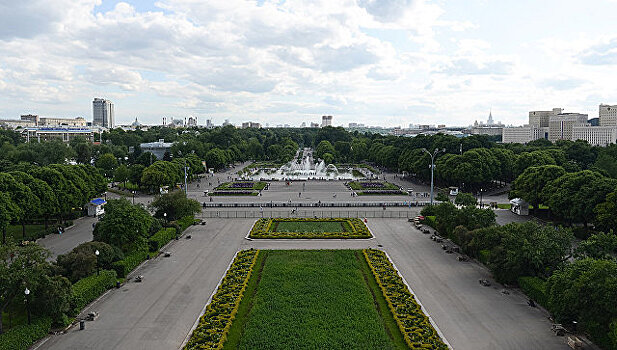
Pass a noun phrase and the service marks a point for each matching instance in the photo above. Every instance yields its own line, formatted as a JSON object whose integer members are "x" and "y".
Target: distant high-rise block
{"x": 102, "y": 113}
{"x": 326, "y": 120}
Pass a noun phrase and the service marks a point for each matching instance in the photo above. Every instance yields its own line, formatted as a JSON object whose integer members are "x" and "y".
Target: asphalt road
{"x": 80, "y": 232}
{"x": 159, "y": 312}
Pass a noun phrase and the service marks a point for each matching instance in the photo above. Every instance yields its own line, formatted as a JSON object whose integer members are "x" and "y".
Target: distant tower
{"x": 326, "y": 120}
{"x": 490, "y": 118}
{"x": 103, "y": 113}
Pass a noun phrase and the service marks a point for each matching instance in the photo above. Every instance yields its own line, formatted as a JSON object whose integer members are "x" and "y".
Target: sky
{"x": 378, "y": 62}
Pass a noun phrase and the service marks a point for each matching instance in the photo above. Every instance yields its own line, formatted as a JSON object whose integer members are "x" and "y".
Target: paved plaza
{"x": 160, "y": 312}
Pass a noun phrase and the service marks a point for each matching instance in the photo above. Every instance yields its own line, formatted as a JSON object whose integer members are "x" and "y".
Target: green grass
{"x": 311, "y": 226}
{"x": 313, "y": 299}
{"x": 503, "y": 206}
{"x": 18, "y": 317}
{"x": 15, "y": 231}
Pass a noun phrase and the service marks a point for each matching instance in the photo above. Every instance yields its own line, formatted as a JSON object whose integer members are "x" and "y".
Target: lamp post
{"x": 27, "y": 292}
{"x": 165, "y": 216}
{"x": 96, "y": 252}
{"x": 481, "y": 206}
{"x": 133, "y": 191}
{"x": 437, "y": 150}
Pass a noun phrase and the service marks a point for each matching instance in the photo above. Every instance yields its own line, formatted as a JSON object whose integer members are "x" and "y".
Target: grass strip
{"x": 380, "y": 302}
{"x": 246, "y": 304}
{"x": 313, "y": 299}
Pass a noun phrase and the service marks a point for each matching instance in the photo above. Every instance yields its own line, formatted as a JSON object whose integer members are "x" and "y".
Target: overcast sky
{"x": 378, "y": 62}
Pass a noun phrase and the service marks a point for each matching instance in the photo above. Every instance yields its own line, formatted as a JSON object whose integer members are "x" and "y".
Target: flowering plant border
{"x": 262, "y": 229}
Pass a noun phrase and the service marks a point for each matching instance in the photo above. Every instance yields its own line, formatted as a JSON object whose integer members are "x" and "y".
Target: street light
{"x": 165, "y": 216}
{"x": 437, "y": 150}
{"x": 481, "y": 198}
{"x": 27, "y": 292}
{"x": 96, "y": 252}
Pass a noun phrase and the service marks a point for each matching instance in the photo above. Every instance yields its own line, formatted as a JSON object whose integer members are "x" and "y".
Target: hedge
{"x": 413, "y": 323}
{"x": 535, "y": 288}
{"x": 161, "y": 238}
{"x": 130, "y": 262}
{"x": 185, "y": 222}
{"x": 89, "y": 288}
{"x": 211, "y": 331}
{"x": 22, "y": 337}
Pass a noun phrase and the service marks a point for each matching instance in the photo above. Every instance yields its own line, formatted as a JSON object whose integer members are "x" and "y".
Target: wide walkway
{"x": 159, "y": 312}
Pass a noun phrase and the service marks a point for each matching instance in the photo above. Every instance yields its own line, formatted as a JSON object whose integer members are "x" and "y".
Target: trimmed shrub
{"x": 534, "y": 288}
{"x": 185, "y": 222}
{"x": 161, "y": 238}
{"x": 130, "y": 262}
{"x": 484, "y": 256}
{"x": 89, "y": 288}
{"x": 22, "y": 337}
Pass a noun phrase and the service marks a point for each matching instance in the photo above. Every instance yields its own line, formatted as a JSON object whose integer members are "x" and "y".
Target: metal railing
{"x": 241, "y": 214}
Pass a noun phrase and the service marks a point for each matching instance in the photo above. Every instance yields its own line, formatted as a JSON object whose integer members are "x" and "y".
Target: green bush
{"x": 22, "y": 337}
{"x": 484, "y": 256}
{"x": 161, "y": 238}
{"x": 130, "y": 262}
{"x": 185, "y": 222}
{"x": 89, "y": 288}
{"x": 534, "y": 288}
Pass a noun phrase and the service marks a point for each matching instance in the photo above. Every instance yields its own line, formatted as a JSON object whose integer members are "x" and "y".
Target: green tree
{"x": 22, "y": 196}
{"x": 8, "y": 212}
{"x": 605, "y": 213}
{"x": 52, "y": 297}
{"x": 530, "y": 184}
{"x": 82, "y": 261}
{"x": 573, "y": 196}
{"x": 122, "y": 174}
{"x": 598, "y": 246}
{"x": 123, "y": 225}
{"x": 323, "y": 148}
{"x": 216, "y": 158}
{"x": 465, "y": 199}
{"x": 585, "y": 291}
{"x": 21, "y": 267}
{"x": 175, "y": 204}
{"x": 529, "y": 249}
{"x": 107, "y": 163}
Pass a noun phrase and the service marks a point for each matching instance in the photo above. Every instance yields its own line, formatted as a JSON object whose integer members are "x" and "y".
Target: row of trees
{"x": 30, "y": 193}
{"x": 573, "y": 284}
{"x": 582, "y": 196}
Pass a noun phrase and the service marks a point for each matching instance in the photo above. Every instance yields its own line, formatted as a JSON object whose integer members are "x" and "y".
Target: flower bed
{"x": 263, "y": 229}
{"x": 233, "y": 193}
{"x": 413, "y": 323}
{"x": 375, "y": 187}
{"x": 242, "y": 185}
{"x": 211, "y": 332}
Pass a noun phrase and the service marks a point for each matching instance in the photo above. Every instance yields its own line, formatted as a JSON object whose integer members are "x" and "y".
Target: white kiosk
{"x": 519, "y": 206}
{"x": 95, "y": 207}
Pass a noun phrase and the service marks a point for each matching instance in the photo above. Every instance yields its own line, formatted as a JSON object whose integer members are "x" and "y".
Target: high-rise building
{"x": 560, "y": 125}
{"x": 103, "y": 113}
{"x": 326, "y": 120}
{"x": 608, "y": 115}
{"x": 540, "y": 119}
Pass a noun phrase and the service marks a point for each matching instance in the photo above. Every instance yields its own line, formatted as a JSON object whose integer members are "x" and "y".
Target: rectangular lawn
{"x": 301, "y": 299}
{"x": 314, "y": 226}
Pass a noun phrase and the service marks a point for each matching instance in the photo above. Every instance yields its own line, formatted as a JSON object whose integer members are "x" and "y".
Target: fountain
{"x": 303, "y": 167}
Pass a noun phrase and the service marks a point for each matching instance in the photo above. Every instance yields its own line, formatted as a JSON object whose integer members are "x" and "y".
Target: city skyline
{"x": 387, "y": 63}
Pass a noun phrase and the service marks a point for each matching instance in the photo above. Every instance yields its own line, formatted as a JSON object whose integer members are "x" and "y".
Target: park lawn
{"x": 310, "y": 226}
{"x": 15, "y": 231}
{"x": 313, "y": 299}
{"x": 257, "y": 185}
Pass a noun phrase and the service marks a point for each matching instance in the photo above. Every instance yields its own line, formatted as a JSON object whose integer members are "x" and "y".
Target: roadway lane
{"x": 159, "y": 312}
{"x": 469, "y": 315}
{"x": 80, "y": 232}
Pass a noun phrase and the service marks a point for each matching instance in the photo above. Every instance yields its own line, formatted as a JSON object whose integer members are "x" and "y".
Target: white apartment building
{"x": 523, "y": 134}
{"x": 608, "y": 115}
{"x": 560, "y": 125}
{"x": 103, "y": 113}
{"x": 595, "y": 135}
